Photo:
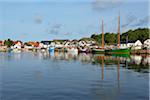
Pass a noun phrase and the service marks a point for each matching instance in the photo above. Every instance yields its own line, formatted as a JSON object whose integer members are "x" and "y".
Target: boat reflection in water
{"x": 71, "y": 76}
{"x": 130, "y": 62}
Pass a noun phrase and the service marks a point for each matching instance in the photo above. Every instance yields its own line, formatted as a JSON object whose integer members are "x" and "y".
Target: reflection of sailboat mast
{"x": 102, "y": 67}
{"x": 118, "y": 70}
{"x": 118, "y": 74}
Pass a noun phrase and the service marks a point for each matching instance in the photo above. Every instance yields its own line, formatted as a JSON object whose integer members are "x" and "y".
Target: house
{"x": 32, "y": 44}
{"x": 46, "y": 44}
{"x": 82, "y": 43}
{"x": 58, "y": 44}
{"x": 66, "y": 43}
{"x": 17, "y": 45}
{"x": 1, "y": 43}
{"x": 74, "y": 43}
{"x": 137, "y": 45}
{"x": 147, "y": 44}
{"x": 90, "y": 42}
{"x": 29, "y": 45}
{"x": 126, "y": 45}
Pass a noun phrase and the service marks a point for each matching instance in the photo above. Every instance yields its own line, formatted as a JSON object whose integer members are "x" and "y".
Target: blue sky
{"x": 69, "y": 19}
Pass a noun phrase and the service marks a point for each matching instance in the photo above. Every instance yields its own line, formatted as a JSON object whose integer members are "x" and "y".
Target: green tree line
{"x": 130, "y": 36}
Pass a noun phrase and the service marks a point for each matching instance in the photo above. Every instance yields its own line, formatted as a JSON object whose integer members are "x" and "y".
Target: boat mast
{"x": 102, "y": 34}
{"x": 119, "y": 31}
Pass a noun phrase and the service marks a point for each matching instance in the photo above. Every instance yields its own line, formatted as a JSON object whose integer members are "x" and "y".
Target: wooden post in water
{"x": 119, "y": 31}
{"x": 102, "y": 34}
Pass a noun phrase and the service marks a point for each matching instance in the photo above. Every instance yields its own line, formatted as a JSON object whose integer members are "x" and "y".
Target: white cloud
{"x": 104, "y": 4}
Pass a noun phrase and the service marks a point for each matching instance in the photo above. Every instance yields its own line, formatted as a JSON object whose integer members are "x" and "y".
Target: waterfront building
{"x": 147, "y": 44}
{"x": 1, "y": 43}
{"x": 137, "y": 45}
{"x": 17, "y": 45}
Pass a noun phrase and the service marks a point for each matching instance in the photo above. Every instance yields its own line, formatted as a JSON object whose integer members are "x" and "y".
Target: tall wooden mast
{"x": 102, "y": 34}
{"x": 119, "y": 31}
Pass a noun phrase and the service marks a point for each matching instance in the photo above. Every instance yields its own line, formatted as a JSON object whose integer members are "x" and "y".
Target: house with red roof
{"x": 17, "y": 45}
{"x": 1, "y": 43}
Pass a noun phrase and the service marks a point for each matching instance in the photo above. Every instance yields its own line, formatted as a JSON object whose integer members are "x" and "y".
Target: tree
{"x": 97, "y": 38}
{"x": 110, "y": 38}
{"x": 8, "y": 43}
{"x": 138, "y": 34}
{"x": 132, "y": 35}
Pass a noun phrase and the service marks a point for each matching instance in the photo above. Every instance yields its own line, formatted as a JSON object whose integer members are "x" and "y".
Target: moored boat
{"x": 118, "y": 50}
{"x": 98, "y": 50}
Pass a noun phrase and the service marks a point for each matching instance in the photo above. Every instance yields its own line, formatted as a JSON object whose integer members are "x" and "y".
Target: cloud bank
{"x": 99, "y": 5}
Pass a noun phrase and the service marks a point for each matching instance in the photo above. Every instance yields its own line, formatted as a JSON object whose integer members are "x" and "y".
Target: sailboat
{"x": 100, "y": 50}
{"x": 118, "y": 50}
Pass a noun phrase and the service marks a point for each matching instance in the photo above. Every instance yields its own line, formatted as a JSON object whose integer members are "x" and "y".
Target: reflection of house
{"x": 147, "y": 60}
{"x": 137, "y": 59}
{"x": 147, "y": 44}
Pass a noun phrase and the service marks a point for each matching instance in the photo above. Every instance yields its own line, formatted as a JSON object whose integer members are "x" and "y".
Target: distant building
{"x": 147, "y": 44}
{"x": 46, "y": 42}
{"x": 1, "y": 43}
{"x": 126, "y": 45}
{"x": 137, "y": 45}
{"x": 17, "y": 45}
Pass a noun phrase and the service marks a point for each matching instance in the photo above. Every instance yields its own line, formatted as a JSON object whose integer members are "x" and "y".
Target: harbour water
{"x": 63, "y": 76}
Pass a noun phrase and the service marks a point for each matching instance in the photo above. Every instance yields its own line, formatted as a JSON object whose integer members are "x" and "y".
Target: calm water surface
{"x": 59, "y": 76}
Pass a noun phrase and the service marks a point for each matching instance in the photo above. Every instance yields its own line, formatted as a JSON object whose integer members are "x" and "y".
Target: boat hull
{"x": 118, "y": 51}
{"x": 98, "y": 51}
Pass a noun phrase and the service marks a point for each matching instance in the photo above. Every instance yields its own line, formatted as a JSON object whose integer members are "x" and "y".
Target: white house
{"x": 17, "y": 45}
{"x": 124, "y": 45}
{"x": 58, "y": 44}
{"x": 28, "y": 47}
{"x": 82, "y": 43}
{"x": 52, "y": 44}
{"x": 147, "y": 44}
{"x": 66, "y": 43}
{"x": 137, "y": 45}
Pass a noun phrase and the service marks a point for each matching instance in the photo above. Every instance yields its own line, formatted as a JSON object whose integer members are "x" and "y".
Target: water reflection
{"x": 73, "y": 76}
{"x": 139, "y": 63}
